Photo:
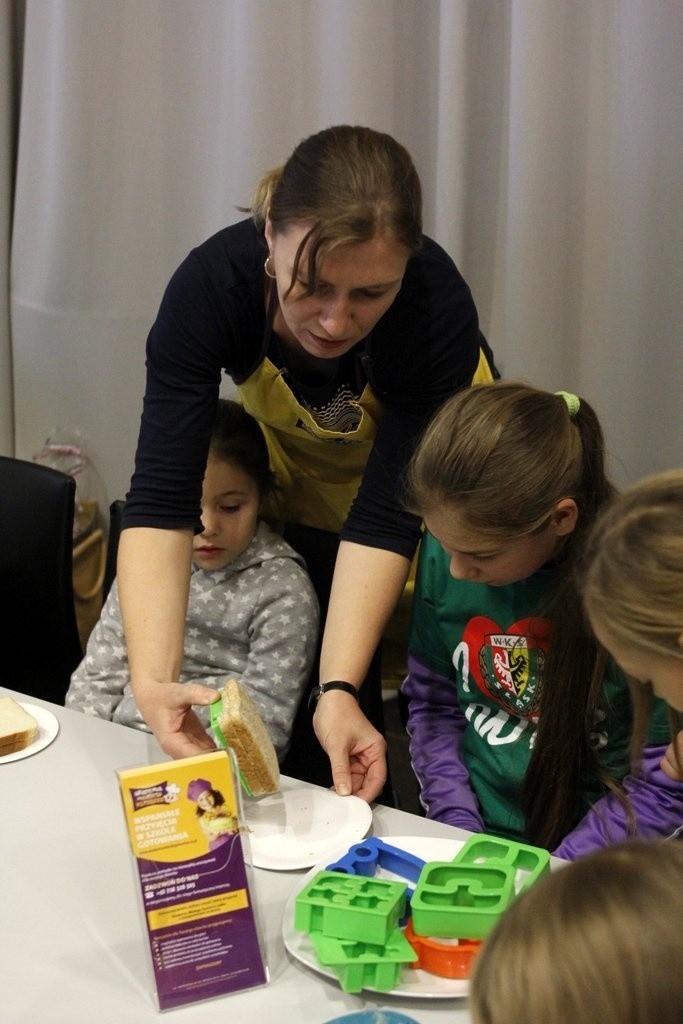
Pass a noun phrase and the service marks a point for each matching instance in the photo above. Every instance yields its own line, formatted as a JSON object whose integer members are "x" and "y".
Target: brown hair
{"x": 505, "y": 453}
{"x": 349, "y": 183}
{"x": 237, "y": 437}
{"x": 597, "y": 940}
{"x": 633, "y": 579}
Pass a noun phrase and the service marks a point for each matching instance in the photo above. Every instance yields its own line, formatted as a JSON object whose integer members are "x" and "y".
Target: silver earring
{"x": 268, "y": 270}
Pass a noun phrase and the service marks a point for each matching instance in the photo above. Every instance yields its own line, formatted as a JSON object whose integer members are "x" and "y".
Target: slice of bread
{"x": 245, "y": 732}
{"x": 18, "y": 729}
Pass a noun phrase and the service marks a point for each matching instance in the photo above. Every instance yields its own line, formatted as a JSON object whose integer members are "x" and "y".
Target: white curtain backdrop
{"x": 548, "y": 135}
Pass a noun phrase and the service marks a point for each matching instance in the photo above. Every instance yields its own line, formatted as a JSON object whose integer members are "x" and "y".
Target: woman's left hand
{"x": 357, "y": 751}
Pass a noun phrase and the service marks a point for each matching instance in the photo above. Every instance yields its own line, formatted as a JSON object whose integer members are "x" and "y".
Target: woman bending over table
{"x": 343, "y": 328}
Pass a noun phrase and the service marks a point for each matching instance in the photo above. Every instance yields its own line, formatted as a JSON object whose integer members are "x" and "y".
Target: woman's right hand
{"x": 153, "y": 580}
{"x": 167, "y": 709}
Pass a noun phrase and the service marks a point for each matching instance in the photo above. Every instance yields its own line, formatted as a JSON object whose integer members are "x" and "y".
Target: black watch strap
{"x": 336, "y": 684}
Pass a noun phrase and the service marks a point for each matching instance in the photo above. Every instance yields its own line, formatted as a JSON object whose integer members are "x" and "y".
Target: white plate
{"x": 48, "y": 727}
{"x": 414, "y": 984}
{"x": 297, "y": 828}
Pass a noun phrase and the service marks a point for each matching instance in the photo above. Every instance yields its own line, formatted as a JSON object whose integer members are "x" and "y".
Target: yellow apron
{"x": 318, "y": 470}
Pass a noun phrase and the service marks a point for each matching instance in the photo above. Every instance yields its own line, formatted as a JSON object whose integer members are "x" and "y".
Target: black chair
{"x": 115, "y": 517}
{"x": 42, "y": 646}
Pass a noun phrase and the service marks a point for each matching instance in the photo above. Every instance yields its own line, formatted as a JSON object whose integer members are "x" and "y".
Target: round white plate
{"x": 414, "y": 984}
{"x": 297, "y": 828}
{"x": 48, "y": 727}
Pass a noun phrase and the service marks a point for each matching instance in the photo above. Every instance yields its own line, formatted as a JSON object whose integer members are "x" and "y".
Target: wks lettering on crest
{"x": 507, "y": 662}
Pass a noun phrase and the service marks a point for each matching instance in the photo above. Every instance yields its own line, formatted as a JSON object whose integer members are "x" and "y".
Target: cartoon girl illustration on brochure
{"x": 217, "y": 823}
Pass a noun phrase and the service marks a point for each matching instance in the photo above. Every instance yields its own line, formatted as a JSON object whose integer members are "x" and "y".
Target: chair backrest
{"x": 42, "y": 646}
{"x": 115, "y": 517}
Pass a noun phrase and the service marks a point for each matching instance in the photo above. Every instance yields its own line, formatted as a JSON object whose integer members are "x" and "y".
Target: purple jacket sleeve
{"x": 435, "y": 727}
{"x": 657, "y": 803}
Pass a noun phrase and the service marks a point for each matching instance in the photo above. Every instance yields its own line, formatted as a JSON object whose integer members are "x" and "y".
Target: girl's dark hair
{"x": 350, "y": 183}
{"x": 504, "y": 454}
{"x": 237, "y": 437}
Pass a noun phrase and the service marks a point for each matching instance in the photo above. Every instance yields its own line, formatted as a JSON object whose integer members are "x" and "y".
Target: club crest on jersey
{"x": 507, "y": 664}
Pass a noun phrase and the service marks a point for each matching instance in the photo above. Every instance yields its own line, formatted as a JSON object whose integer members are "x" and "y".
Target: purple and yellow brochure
{"x": 183, "y": 820}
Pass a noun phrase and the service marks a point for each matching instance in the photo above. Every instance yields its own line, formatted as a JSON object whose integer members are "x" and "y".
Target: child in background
{"x": 519, "y": 724}
{"x": 633, "y": 591}
{"x": 597, "y": 940}
{"x": 252, "y": 612}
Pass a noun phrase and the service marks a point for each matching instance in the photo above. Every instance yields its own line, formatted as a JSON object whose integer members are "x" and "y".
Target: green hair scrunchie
{"x": 573, "y": 402}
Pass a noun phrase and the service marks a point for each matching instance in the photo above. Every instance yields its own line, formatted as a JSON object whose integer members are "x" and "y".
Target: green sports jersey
{"x": 492, "y": 642}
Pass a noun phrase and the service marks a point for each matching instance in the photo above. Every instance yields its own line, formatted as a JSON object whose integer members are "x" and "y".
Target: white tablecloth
{"x": 72, "y": 947}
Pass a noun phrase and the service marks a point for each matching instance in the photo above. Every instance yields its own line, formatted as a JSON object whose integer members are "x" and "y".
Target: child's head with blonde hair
{"x": 596, "y": 942}
{"x": 633, "y": 582}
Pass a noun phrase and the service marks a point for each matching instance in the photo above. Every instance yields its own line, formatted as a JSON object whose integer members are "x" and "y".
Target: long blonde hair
{"x": 349, "y": 182}
{"x": 599, "y": 940}
{"x": 504, "y": 454}
{"x": 633, "y": 581}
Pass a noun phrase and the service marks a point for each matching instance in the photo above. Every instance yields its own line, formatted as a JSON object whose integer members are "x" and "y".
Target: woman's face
{"x": 357, "y": 285}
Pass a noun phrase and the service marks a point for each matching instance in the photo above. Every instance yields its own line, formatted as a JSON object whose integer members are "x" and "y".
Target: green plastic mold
{"x": 361, "y": 965}
{"x": 460, "y": 901}
{"x": 350, "y": 907}
{"x": 527, "y": 862}
{"x": 465, "y": 897}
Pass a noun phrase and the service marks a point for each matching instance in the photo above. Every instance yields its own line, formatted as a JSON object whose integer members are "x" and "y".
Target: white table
{"x": 72, "y": 947}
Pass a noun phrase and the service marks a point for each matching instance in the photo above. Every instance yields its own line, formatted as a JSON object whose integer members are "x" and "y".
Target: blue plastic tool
{"x": 366, "y": 857}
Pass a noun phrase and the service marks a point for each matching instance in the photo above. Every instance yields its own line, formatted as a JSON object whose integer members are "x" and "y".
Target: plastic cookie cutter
{"x": 464, "y": 898}
{"x": 458, "y": 901}
{"x": 445, "y": 959}
{"x": 366, "y": 857}
{"x": 366, "y": 910}
{"x": 215, "y": 710}
{"x": 360, "y": 965}
{"x": 527, "y": 862}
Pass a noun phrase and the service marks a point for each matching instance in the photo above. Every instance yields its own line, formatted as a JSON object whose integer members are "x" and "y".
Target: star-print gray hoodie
{"x": 256, "y": 621}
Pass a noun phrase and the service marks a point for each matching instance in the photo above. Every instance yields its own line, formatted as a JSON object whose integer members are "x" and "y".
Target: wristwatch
{"x": 336, "y": 684}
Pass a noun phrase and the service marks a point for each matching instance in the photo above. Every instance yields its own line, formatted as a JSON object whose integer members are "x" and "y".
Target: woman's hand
{"x": 365, "y": 590}
{"x": 167, "y": 709}
{"x": 153, "y": 580}
{"x": 357, "y": 751}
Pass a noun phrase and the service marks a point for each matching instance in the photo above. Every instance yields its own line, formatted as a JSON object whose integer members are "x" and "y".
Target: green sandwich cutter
{"x": 215, "y": 710}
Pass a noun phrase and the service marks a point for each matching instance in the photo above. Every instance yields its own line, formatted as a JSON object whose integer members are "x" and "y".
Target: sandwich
{"x": 241, "y": 727}
{"x": 18, "y": 729}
